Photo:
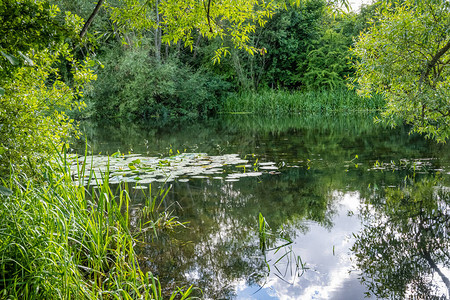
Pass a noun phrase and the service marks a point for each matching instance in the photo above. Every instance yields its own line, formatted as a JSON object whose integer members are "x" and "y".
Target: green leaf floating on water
{"x": 116, "y": 154}
{"x": 5, "y": 191}
{"x": 185, "y": 166}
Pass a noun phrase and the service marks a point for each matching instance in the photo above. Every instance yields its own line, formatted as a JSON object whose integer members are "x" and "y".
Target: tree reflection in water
{"x": 220, "y": 253}
{"x": 403, "y": 250}
{"x": 221, "y": 248}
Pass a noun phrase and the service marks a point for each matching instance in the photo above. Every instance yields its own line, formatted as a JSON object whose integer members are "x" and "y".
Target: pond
{"x": 305, "y": 207}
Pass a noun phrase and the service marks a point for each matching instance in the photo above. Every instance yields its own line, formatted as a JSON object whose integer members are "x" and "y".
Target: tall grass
{"x": 279, "y": 102}
{"x": 59, "y": 242}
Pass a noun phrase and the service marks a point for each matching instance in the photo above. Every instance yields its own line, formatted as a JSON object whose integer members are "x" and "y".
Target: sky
{"x": 356, "y": 4}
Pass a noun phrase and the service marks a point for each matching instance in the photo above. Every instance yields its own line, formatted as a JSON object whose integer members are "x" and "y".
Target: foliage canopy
{"x": 182, "y": 20}
{"x": 405, "y": 56}
{"x": 35, "y": 97}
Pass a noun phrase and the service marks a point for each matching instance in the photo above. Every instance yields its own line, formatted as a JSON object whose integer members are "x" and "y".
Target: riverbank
{"x": 280, "y": 102}
{"x": 61, "y": 241}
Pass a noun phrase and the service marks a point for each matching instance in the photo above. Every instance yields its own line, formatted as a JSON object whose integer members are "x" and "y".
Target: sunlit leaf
{"x": 11, "y": 58}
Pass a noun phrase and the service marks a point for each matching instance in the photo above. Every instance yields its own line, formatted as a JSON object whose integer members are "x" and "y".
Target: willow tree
{"x": 177, "y": 21}
{"x": 405, "y": 56}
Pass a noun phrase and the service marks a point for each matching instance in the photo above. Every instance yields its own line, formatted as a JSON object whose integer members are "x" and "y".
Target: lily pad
{"x": 269, "y": 168}
{"x": 231, "y": 180}
{"x": 134, "y": 167}
{"x": 140, "y": 187}
{"x": 262, "y": 164}
{"x": 253, "y": 174}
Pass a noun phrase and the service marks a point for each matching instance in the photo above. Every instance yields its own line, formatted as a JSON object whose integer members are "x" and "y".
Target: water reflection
{"x": 315, "y": 202}
{"x": 221, "y": 251}
{"x": 337, "y": 137}
{"x": 404, "y": 248}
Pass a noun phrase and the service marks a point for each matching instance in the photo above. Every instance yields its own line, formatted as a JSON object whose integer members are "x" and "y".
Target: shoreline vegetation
{"x": 61, "y": 241}
{"x": 282, "y": 102}
{"x": 276, "y": 103}
{"x": 152, "y": 60}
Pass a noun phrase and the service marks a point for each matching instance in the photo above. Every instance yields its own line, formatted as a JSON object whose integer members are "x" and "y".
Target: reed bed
{"x": 58, "y": 241}
{"x": 279, "y": 102}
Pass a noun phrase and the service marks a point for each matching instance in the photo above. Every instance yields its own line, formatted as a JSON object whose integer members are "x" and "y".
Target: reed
{"x": 59, "y": 241}
{"x": 280, "y": 102}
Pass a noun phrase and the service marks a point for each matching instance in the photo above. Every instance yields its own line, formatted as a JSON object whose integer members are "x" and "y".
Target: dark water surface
{"x": 335, "y": 232}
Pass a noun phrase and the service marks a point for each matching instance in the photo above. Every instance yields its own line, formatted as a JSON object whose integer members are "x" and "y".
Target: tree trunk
{"x": 433, "y": 265}
{"x": 91, "y": 18}
{"x": 157, "y": 33}
{"x": 434, "y": 60}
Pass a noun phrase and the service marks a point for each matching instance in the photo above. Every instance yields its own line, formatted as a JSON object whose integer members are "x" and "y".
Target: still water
{"x": 350, "y": 210}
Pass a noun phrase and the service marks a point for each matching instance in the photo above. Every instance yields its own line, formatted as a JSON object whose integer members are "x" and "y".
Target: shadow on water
{"x": 331, "y": 169}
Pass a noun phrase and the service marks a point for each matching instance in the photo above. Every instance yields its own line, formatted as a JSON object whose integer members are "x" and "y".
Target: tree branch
{"x": 208, "y": 17}
{"x": 91, "y": 18}
{"x": 433, "y": 265}
{"x": 432, "y": 63}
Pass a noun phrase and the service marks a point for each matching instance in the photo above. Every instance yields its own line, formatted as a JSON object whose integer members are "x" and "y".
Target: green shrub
{"x": 133, "y": 85}
{"x": 33, "y": 96}
{"x": 326, "y": 63}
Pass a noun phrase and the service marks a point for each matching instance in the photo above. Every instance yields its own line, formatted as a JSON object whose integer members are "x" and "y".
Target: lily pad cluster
{"x": 417, "y": 165}
{"x": 181, "y": 167}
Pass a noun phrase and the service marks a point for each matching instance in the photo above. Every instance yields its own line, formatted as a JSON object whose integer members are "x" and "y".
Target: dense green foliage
{"x": 288, "y": 38}
{"x": 144, "y": 88}
{"x": 59, "y": 241}
{"x": 152, "y": 73}
{"x": 33, "y": 123}
{"x": 302, "y": 48}
{"x": 211, "y": 19}
{"x": 270, "y": 102}
{"x": 404, "y": 56}
{"x": 27, "y": 25}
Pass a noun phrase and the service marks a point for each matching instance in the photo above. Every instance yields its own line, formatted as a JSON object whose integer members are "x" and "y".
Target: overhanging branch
{"x": 432, "y": 64}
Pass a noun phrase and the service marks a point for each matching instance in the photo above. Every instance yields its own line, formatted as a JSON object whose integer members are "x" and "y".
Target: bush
{"x": 133, "y": 85}
{"x": 33, "y": 96}
{"x": 326, "y": 63}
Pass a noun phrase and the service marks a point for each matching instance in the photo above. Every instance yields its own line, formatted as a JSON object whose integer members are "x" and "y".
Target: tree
{"x": 405, "y": 56}
{"x": 325, "y": 63}
{"x": 406, "y": 241}
{"x": 182, "y": 20}
{"x": 33, "y": 124}
{"x": 298, "y": 39}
